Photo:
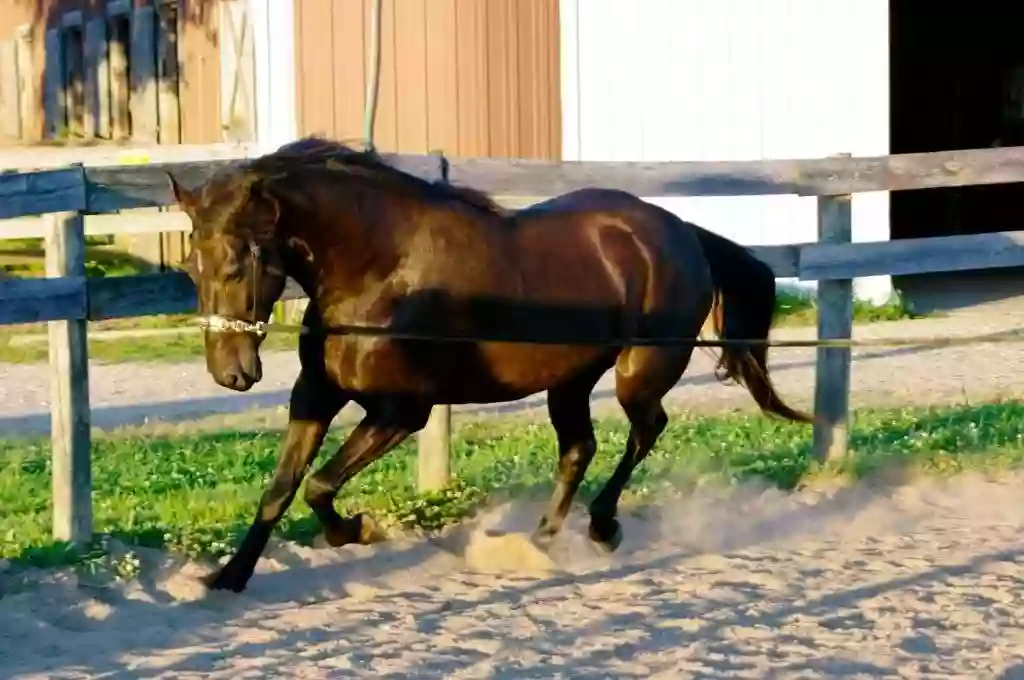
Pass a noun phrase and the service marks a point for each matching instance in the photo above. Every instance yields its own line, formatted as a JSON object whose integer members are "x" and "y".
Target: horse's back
{"x": 607, "y": 243}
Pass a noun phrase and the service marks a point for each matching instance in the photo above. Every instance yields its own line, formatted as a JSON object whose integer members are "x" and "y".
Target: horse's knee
{"x": 273, "y": 504}
{"x": 648, "y": 415}
{"x": 659, "y": 419}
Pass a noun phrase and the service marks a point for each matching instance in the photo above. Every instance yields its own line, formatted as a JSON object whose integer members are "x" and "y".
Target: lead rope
{"x": 254, "y": 252}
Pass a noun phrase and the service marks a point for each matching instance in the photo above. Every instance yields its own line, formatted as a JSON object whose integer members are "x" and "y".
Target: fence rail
{"x": 72, "y": 199}
{"x": 97, "y": 299}
{"x": 110, "y": 187}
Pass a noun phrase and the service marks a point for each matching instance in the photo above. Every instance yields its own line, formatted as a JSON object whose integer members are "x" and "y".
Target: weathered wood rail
{"x": 71, "y": 197}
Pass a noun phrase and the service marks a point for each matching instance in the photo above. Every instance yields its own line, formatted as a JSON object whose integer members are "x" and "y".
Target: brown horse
{"x": 376, "y": 246}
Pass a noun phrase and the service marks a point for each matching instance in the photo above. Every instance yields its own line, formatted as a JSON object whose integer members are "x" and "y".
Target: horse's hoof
{"x": 542, "y": 541}
{"x": 607, "y": 533}
{"x": 369, "y": 531}
{"x": 227, "y": 579}
{"x": 361, "y": 529}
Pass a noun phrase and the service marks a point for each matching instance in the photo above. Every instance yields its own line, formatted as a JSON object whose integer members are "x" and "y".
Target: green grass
{"x": 26, "y": 258}
{"x": 198, "y": 493}
{"x": 794, "y": 310}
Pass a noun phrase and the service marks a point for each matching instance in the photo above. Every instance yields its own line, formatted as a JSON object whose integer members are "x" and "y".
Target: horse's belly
{"x": 527, "y": 369}
{"x": 455, "y": 373}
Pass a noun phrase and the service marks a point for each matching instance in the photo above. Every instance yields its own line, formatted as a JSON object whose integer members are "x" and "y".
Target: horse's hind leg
{"x": 569, "y": 409}
{"x": 643, "y": 375}
{"x": 386, "y": 425}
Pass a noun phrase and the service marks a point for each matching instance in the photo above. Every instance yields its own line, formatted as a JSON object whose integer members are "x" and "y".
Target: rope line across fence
{"x": 220, "y": 324}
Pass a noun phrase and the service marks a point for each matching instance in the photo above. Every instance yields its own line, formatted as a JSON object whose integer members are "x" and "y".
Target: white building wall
{"x": 273, "y": 26}
{"x": 661, "y": 80}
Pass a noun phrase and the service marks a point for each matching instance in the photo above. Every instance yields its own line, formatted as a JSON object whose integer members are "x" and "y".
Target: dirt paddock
{"x": 919, "y": 581}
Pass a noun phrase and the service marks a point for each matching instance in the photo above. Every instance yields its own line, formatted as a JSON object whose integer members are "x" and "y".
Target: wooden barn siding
{"x": 199, "y": 57}
{"x": 199, "y": 85}
{"x": 469, "y": 77}
{"x": 13, "y": 15}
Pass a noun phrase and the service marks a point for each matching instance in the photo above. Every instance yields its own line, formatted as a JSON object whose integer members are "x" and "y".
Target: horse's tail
{"x": 743, "y": 309}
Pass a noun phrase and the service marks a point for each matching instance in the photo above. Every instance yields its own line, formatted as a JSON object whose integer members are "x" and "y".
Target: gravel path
{"x": 133, "y": 394}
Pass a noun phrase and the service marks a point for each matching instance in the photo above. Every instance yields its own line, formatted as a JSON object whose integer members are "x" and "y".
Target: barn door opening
{"x": 956, "y": 82}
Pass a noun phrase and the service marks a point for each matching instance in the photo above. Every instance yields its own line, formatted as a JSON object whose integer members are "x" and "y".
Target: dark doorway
{"x": 956, "y": 82}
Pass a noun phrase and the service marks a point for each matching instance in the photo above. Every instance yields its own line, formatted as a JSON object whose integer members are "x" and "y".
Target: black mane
{"x": 318, "y": 153}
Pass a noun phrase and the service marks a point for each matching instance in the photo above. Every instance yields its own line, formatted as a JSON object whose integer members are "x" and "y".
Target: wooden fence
{"x": 152, "y": 234}
{"x": 67, "y": 299}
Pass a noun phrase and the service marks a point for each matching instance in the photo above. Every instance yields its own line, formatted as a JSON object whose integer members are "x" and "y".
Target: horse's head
{"x": 236, "y": 265}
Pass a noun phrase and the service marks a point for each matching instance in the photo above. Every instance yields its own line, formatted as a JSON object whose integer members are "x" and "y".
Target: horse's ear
{"x": 185, "y": 198}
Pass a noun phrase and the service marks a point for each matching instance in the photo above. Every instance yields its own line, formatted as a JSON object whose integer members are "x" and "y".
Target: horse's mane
{"x": 320, "y": 154}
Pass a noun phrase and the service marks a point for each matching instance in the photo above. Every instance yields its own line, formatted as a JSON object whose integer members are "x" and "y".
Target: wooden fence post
{"x": 435, "y": 438}
{"x": 835, "y": 321}
{"x": 70, "y": 434}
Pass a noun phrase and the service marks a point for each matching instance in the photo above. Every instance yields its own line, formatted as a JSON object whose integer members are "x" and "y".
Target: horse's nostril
{"x": 233, "y": 379}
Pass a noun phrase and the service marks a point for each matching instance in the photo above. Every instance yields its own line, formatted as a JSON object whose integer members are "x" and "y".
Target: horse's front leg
{"x": 385, "y": 426}
{"x": 313, "y": 405}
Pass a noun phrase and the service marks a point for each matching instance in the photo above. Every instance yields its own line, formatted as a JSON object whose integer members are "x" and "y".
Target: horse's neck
{"x": 327, "y": 258}
{"x": 298, "y": 270}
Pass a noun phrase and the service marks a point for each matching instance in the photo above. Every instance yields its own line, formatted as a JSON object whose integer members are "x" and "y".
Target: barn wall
{"x": 732, "y": 80}
{"x": 199, "y": 59}
{"x": 471, "y": 78}
{"x": 19, "y": 96}
{"x": 199, "y": 85}
{"x": 276, "y": 113}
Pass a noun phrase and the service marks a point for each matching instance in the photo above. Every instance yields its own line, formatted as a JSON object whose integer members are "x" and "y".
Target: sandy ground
{"x": 920, "y": 581}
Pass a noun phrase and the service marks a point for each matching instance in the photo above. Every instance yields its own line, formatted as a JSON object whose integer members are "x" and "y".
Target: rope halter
{"x": 219, "y": 323}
